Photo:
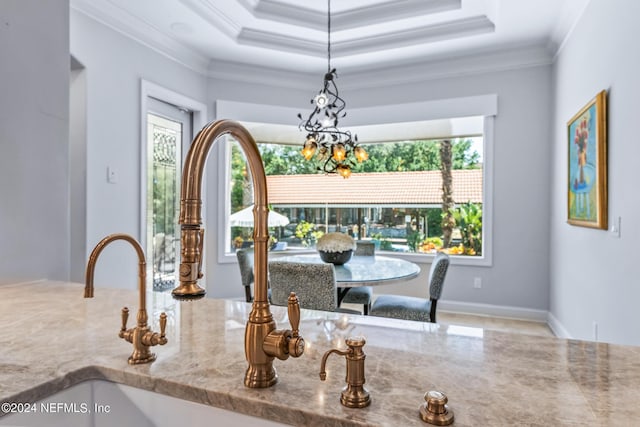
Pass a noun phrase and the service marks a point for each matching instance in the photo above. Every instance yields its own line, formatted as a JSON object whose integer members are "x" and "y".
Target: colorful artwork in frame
{"x": 587, "y": 183}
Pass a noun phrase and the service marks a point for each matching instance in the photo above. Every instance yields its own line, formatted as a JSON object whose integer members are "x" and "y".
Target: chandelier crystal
{"x": 335, "y": 150}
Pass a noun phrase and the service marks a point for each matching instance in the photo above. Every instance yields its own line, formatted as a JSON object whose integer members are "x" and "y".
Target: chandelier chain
{"x": 328, "y": 36}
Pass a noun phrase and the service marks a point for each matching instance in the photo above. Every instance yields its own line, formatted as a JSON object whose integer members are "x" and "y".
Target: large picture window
{"x": 453, "y": 119}
{"x": 413, "y": 196}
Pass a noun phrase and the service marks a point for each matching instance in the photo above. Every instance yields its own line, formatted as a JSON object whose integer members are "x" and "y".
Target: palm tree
{"x": 447, "y": 191}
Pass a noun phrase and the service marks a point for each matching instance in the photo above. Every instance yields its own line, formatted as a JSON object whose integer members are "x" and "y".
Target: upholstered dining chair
{"x": 412, "y": 308}
{"x": 365, "y": 247}
{"x": 245, "y": 262}
{"x": 361, "y": 294}
{"x": 314, "y": 284}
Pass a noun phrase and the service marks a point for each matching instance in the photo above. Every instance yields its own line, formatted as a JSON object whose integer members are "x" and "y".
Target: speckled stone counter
{"x": 52, "y": 338}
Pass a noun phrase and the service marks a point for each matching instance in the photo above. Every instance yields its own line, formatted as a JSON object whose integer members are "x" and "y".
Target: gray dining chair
{"x": 365, "y": 247}
{"x": 245, "y": 262}
{"x": 361, "y": 294}
{"x": 413, "y": 308}
{"x": 314, "y": 284}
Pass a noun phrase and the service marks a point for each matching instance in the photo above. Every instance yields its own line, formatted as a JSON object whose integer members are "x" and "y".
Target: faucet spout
{"x": 140, "y": 336}
{"x": 262, "y": 342}
{"x": 192, "y": 234}
{"x": 142, "y": 266}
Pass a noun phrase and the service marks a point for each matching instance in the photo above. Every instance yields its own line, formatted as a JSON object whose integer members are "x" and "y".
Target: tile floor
{"x": 495, "y": 323}
{"x": 486, "y": 322}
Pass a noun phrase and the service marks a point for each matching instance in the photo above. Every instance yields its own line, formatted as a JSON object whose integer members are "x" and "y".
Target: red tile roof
{"x": 382, "y": 188}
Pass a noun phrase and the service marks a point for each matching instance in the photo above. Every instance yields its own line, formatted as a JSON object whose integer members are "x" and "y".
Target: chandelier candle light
{"x": 336, "y": 151}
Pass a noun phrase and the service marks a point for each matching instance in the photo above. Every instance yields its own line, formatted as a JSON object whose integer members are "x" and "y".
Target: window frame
{"x": 482, "y": 105}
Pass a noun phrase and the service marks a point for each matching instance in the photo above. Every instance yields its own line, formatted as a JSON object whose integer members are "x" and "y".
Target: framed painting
{"x": 587, "y": 180}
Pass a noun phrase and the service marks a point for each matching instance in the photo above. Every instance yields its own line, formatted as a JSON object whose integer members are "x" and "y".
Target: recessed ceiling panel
{"x": 292, "y": 35}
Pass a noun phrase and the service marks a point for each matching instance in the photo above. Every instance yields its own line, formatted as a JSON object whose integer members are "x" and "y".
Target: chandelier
{"x": 335, "y": 150}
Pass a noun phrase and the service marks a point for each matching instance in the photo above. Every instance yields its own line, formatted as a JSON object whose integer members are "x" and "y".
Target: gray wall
{"x": 34, "y": 117}
{"x": 592, "y": 273}
{"x": 519, "y": 275}
{"x": 114, "y": 66}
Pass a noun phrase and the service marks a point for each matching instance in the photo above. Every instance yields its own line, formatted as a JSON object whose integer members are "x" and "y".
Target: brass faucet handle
{"x": 163, "y": 324}
{"x": 125, "y": 317}
{"x": 200, "y": 249}
{"x": 160, "y": 338}
{"x": 295, "y": 343}
{"x": 151, "y": 338}
{"x": 124, "y": 333}
{"x": 294, "y": 313}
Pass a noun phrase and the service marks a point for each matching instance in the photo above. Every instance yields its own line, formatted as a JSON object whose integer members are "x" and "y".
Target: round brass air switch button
{"x": 435, "y": 410}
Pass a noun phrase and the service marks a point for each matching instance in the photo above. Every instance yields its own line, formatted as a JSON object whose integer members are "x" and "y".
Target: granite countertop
{"x": 53, "y": 338}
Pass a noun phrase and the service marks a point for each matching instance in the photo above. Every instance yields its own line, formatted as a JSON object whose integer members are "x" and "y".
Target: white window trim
{"x": 481, "y": 105}
{"x": 199, "y": 110}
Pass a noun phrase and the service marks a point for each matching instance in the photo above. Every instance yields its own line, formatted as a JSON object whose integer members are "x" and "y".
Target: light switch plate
{"x": 112, "y": 175}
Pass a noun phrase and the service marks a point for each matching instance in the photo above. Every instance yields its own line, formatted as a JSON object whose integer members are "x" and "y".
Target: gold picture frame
{"x": 587, "y": 165}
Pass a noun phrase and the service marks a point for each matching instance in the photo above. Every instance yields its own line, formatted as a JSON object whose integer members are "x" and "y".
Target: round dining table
{"x": 362, "y": 270}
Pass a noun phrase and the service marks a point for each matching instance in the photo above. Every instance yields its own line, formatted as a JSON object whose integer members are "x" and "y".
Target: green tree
{"x": 462, "y": 155}
{"x": 284, "y": 160}
{"x": 383, "y": 157}
{"x": 468, "y": 219}
{"x": 241, "y": 186}
{"x": 400, "y": 157}
{"x": 307, "y": 233}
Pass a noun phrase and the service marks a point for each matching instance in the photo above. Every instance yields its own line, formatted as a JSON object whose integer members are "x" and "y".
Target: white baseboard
{"x": 557, "y": 328}
{"x": 28, "y": 282}
{"x": 519, "y": 313}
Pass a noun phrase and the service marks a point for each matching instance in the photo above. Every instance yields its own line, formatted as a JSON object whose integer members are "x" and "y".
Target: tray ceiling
{"x": 291, "y": 35}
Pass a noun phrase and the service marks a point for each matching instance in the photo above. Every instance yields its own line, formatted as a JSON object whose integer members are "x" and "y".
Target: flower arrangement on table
{"x": 335, "y": 248}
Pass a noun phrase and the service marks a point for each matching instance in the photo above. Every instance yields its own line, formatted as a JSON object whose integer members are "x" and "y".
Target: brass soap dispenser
{"x": 354, "y": 395}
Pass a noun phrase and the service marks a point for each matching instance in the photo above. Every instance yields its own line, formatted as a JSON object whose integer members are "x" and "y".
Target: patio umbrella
{"x": 244, "y": 218}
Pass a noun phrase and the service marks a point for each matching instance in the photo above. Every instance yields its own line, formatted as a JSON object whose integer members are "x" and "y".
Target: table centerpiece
{"x": 335, "y": 248}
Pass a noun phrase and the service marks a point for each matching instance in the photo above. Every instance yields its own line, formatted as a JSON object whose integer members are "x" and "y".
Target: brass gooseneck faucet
{"x": 262, "y": 342}
{"x": 141, "y": 335}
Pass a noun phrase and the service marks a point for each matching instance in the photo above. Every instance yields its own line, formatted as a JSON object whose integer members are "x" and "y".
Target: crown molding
{"x": 415, "y": 36}
{"x": 475, "y": 62}
{"x": 403, "y": 38}
{"x": 208, "y": 11}
{"x": 305, "y": 18}
{"x": 142, "y": 32}
{"x": 294, "y": 14}
{"x": 508, "y": 58}
{"x": 252, "y": 74}
{"x": 386, "y": 73}
{"x": 567, "y": 22}
{"x": 282, "y": 42}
